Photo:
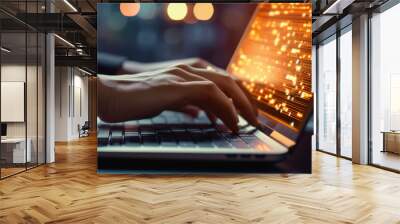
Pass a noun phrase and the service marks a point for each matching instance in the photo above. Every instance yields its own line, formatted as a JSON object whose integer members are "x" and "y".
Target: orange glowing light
{"x": 129, "y": 9}
{"x": 177, "y": 11}
{"x": 279, "y": 80}
{"x": 203, "y": 11}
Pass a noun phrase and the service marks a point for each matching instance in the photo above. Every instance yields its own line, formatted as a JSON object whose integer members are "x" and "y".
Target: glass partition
{"x": 346, "y": 93}
{"x": 22, "y": 90}
{"x": 32, "y": 84}
{"x": 14, "y": 153}
{"x": 385, "y": 89}
{"x": 327, "y": 96}
{"x": 41, "y": 97}
{"x": 31, "y": 98}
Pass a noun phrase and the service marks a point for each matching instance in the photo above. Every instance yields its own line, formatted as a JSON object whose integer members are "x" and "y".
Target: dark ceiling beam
{"x": 11, "y": 25}
{"x": 55, "y": 22}
{"x": 91, "y": 5}
{"x": 86, "y": 51}
{"x": 337, "y": 7}
{"x": 16, "y": 18}
{"x": 321, "y": 22}
{"x": 49, "y": 22}
{"x": 78, "y": 61}
{"x": 327, "y": 25}
{"x": 332, "y": 28}
{"x": 79, "y": 20}
{"x": 83, "y": 23}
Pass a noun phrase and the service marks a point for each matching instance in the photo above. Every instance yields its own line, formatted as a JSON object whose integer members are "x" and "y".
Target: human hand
{"x": 179, "y": 88}
{"x": 133, "y": 67}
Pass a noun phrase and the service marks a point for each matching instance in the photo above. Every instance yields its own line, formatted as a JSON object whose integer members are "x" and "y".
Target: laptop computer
{"x": 273, "y": 63}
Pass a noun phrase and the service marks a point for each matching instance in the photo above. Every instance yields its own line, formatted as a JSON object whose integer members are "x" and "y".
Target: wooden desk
{"x": 391, "y": 141}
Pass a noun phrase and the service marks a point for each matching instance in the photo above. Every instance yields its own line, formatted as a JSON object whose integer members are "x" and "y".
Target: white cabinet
{"x": 17, "y": 148}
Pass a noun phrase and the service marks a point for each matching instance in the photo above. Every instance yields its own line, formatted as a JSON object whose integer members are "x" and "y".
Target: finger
{"x": 190, "y": 110}
{"x": 184, "y": 74}
{"x": 211, "y": 117}
{"x": 195, "y": 62}
{"x": 220, "y": 95}
{"x": 231, "y": 89}
{"x": 248, "y": 95}
{"x": 243, "y": 103}
{"x": 199, "y": 63}
{"x": 210, "y": 98}
{"x": 203, "y": 64}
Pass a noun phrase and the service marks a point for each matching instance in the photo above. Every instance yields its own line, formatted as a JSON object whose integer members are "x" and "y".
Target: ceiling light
{"x": 65, "y": 41}
{"x": 84, "y": 71}
{"x": 5, "y": 50}
{"x": 70, "y": 5}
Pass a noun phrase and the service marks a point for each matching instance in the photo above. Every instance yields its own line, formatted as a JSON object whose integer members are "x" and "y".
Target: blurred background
{"x": 150, "y": 32}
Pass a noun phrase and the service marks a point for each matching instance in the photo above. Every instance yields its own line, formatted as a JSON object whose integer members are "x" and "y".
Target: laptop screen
{"x": 273, "y": 62}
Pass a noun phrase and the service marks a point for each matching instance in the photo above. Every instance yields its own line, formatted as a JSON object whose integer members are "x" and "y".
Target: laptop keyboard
{"x": 171, "y": 129}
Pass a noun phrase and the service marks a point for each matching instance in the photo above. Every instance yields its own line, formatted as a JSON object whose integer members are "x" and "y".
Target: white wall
{"x": 81, "y": 104}
{"x": 62, "y": 81}
{"x": 71, "y": 93}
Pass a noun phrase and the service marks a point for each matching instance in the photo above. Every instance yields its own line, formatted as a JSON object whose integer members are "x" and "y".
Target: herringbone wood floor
{"x": 70, "y": 191}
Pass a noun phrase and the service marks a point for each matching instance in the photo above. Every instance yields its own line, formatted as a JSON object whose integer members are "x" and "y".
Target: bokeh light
{"x": 177, "y": 11}
{"x": 203, "y": 11}
{"x": 189, "y": 37}
{"x": 129, "y": 9}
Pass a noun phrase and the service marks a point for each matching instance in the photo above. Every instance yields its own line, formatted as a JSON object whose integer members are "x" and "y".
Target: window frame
{"x": 334, "y": 37}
